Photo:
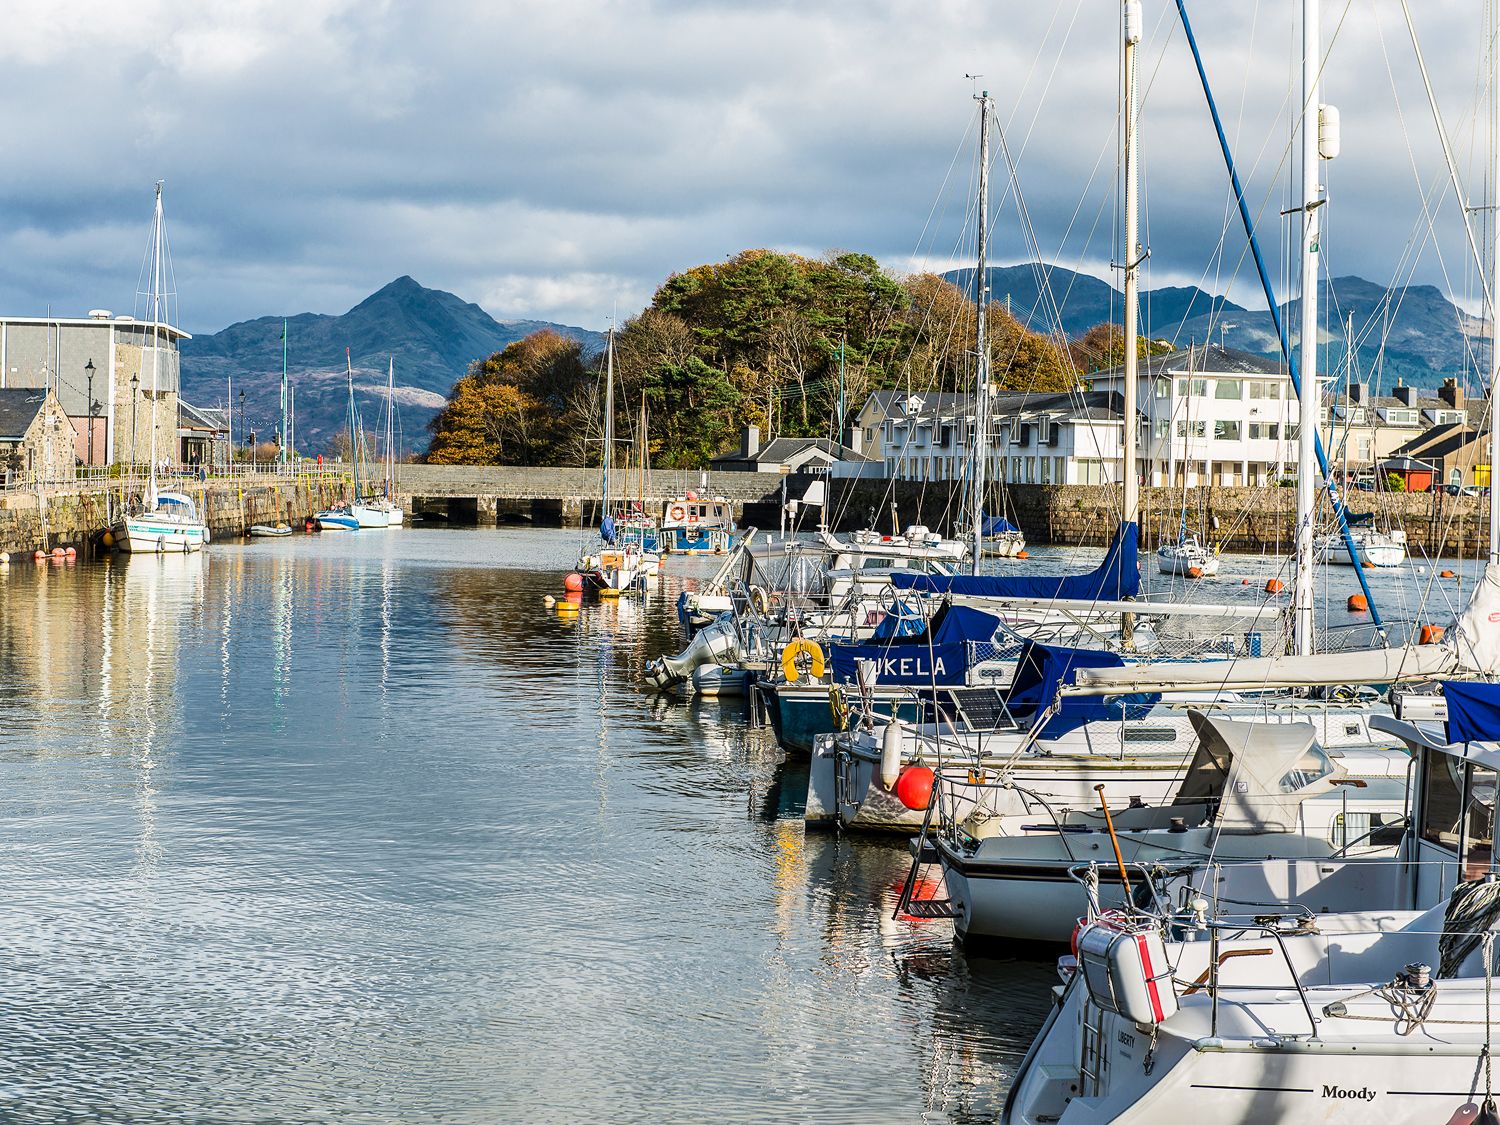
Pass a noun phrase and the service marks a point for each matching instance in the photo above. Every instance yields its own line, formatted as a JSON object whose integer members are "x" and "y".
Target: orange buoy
{"x": 573, "y": 583}
{"x": 1022, "y": 555}
{"x": 1446, "y": 574}
{"x": 914, "y": 787}
{"x": 39, "y": 555}
{"x": 71, "y": 552}
{"x": 1358, "y": 603}
{"x": 1430, "y": 635}
{"x": 58, "y": 552}
{"x": 1195, "y": 572}
{"x": 1275, "y": 585}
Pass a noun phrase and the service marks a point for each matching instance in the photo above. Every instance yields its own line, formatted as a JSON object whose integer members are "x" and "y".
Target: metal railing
{"x": 134, "y": 478}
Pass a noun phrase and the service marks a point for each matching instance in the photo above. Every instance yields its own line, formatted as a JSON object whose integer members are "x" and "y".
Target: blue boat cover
{"x": 1042, "y": 669}
{"x": 938, "y": 656}
{"x": 1473, "y": 711}
{"x": 996, "y": 525}
{"x": 1118, "y": 576}
{"x": 900, "y": 621}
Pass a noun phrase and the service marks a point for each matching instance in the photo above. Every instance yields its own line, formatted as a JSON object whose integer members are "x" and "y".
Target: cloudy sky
{"x": 557, "y": 160}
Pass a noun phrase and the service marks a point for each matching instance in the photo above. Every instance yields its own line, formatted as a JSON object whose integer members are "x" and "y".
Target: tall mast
{"x": 609, "y": 413}
{"x": 282, "y": 453}
{"x": 1494, "y": 44}
{"x": 155, "y": 300}
{"x": 1309, "y": 397}
{"x": 353, "y": 431}
{"x": 981, "y": 341}
{"x": 1131, "y": 504}
{"x": 390, "y": 430}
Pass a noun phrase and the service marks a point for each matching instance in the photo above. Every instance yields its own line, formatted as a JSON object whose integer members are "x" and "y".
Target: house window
{"x": 1228, "y": 389}
{"x": 1198, "y": 428}
{"x": 1401, "y": 417}
{"x": 869, "y": 433}
{"x": 1265, "y": 390}
{"x": 1225, "y": 430}
{"x": 1163, "y": 427}
{"x": 1163, "y": 388}
{"x": 1264, "y": 430}
{"x": 1293, "y": 431}
{"x": 1198, "y": 388}
{"x": 1046, "y": 470}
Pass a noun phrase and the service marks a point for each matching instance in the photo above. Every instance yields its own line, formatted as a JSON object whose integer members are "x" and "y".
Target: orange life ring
{"x": 676, "y": 512}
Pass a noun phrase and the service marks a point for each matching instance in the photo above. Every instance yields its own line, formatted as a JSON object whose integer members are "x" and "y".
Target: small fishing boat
{"x": 1002, "y": 539}
{"x": 1187, "y": 557}
{"x": 1383, "y": 549}
{"x": 695, "y": 525}
{"x": 268, "y": 531}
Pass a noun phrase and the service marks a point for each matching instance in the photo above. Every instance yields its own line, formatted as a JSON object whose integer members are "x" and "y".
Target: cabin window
{"x": 1442, "y": 801}
{"x": 1313, "y": 765}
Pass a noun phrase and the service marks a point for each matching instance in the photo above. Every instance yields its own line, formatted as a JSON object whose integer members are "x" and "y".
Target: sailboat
{"x": 617, "y": 565}
{"x": 387, "y": 505}
{"x": 169, "y": 521}
{"x": 358, "y": 513}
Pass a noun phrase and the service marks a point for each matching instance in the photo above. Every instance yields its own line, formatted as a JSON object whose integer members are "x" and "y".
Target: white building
{"x": 1212, "y": 415}
{"x": 1049, "y": 438}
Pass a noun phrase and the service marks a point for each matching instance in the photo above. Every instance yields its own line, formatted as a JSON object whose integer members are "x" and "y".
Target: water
{"x": 353, "y": 829}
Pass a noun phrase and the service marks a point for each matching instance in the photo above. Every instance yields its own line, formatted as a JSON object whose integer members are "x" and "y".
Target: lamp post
{"x": 88, "y": 370}
{"x": 135, "y": 398}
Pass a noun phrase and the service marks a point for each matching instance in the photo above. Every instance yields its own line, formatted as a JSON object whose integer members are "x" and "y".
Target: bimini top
{"x": 1118, "y": 576}
{"x": 1260, "y": 773}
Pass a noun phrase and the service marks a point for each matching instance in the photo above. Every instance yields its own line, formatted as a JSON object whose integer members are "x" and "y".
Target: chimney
{"x": 1404, "y": 394}
{"x": 854, "y": 438}
{"x": 1452, "y": 394}
{"x": 749, "y": 442}
{"x": 1359, "y": 392}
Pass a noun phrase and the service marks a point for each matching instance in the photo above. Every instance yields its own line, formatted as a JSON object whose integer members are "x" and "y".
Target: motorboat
{"x": 1252, "y": 790}
{"x": 268, "y": 531}
{"x": 169, "y": 524}
{"x": 1375, "y": 548}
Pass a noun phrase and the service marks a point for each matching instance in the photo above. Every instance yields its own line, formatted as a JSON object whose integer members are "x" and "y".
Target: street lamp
{"x": 135, "y": 398}
{"x": 88, "y": 370}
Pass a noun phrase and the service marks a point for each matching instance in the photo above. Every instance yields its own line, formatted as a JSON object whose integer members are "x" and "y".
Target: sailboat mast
{"x": 1494, "y": 44}
{"x": 282, "y": 453}
{"x": 981, "y": 341}
{"x": 390, "y": 430}
{"x": 1131, "y": 500}
{"x": 156, "y": 251}
{"x": 353, "y": 431}
{"x": 609, "y": 414}
{"x": 1308, "y": 399}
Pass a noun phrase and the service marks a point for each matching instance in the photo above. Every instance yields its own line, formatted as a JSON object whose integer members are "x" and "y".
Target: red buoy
{"x": 1244, "y": 581}
{"x": 1358, "y": 603}
{"x": 914, "y": 787}
{"x": 1195, "y": 572}
{"x": 1275, "y": 586}
{"x": 573, "y": 583}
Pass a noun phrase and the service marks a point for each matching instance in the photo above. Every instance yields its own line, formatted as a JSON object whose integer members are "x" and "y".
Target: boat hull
{"x": 148, "y": 536}
{"x": 337, "y": 521}
{"x": 798, "y": 715}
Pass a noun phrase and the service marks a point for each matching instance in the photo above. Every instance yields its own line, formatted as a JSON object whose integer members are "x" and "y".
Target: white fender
{"x": 892, "y": 739}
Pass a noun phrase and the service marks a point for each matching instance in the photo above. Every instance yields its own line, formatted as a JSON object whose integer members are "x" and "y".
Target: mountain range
{"x": 1427, "y": 336}
{"x": 432, "y": 335}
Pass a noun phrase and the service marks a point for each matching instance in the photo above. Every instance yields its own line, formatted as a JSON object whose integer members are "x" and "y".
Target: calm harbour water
{"x": 352, "y": 829}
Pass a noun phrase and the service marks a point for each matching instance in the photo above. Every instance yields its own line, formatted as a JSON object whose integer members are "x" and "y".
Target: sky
{"x": 558, "y": 161}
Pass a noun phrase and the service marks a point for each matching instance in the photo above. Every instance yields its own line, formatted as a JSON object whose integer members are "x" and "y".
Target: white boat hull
{"x": 147, "y": 535}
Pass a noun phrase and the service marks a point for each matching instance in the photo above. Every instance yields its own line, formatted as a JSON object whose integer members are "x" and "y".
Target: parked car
{"x": 1456, "y": 489}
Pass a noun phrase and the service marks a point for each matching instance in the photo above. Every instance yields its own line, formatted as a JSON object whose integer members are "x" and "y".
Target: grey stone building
{"x": 35, "y": 436}
{"x": 130, "y": 392}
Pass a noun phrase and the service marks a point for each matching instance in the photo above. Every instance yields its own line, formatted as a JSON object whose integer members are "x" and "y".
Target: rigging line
{"x": 1442, "y": 133}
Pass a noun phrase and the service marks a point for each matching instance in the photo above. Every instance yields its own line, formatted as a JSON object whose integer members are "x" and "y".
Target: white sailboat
{"x": 615, "y": 567}
{"x": 359, "y": 513}
{"x": 169, "y": 521}
{"x": 394, "y": 516}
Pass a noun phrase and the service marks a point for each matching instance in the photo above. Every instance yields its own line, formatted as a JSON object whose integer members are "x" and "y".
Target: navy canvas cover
{"x": 938, "y": 655}
{"x": 1473, "y": 711}
{"x": 1042, "y": 669}
{"x": 1118, "y": 576}
{"x": 996, "y": 525}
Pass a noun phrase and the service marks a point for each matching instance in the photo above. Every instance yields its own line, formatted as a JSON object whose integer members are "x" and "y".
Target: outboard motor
{"x": 716, "y": 644}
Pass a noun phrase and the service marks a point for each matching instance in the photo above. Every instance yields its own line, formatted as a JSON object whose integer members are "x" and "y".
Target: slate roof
{"x": 19, "y": 407}
{"x": 781, "y": 450}
{"x": 1439, "y": 441}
